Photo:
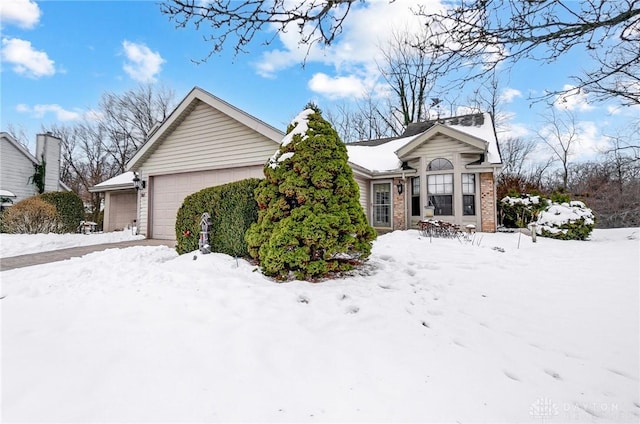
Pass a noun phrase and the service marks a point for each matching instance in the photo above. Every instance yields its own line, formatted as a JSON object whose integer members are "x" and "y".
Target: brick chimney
{"x": 48, "y": 148}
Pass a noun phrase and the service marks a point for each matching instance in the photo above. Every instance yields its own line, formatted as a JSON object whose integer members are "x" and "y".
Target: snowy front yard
{"x": 432, "y": 331}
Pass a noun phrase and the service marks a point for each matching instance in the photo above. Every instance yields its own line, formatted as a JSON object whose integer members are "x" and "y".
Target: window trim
{"x": 447, "y": 181}
{"x": 467, "y": 194}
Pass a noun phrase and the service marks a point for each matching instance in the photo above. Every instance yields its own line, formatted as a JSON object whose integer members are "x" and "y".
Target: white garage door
{"x": 169, "y": 191}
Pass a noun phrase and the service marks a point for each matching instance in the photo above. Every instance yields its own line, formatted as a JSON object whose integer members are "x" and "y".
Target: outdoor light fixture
{"x": 399, "y": 186}
{"x": 138, "y": 184}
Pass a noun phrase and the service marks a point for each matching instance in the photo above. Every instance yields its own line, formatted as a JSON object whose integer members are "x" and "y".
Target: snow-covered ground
{"x": 23, "y": 244}
{"x": 432, "y": 331}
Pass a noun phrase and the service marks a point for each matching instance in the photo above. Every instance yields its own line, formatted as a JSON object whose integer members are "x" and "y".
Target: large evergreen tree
{"x": 310, "y": 222}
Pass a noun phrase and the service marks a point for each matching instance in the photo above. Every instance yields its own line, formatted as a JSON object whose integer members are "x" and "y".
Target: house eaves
{"x": 122, "y": 181}
{"x": 183, "y": 109}
{"x": 19, "y": 147}
{"x": 475, "y": 142}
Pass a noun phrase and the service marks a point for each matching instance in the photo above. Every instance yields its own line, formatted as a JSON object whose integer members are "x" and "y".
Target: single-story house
{"x": 445, "y": 168}
{"x": 448, "y": 164}
{"x": 17, "y": 167}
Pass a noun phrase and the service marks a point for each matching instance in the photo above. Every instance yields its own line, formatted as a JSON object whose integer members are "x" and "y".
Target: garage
{"x": 167, "y": 193}
{"x": 205, "y": 142}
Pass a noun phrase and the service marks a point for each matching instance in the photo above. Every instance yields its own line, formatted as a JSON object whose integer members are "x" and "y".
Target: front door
{"x": 382, "y": 204}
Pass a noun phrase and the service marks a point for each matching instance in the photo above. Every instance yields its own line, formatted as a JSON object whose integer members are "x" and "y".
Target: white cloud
{"x": 588, "y": 139}
{"x": 23, "y": 13}
{"x": 574, "y": 99}
{"x": 142, "y": 64}
{"x": 507, "y": 127}
{"x": 22, "y": 108}
{"x": 25, "y": 59}
{"x": 591, "y": 140}
{"x": 370, "y": 27}
{"x": 508, "y": 94}
{"x": 338, "y": 87}
{"x": 354, "y": 55}
{"x": 60, "y": 113}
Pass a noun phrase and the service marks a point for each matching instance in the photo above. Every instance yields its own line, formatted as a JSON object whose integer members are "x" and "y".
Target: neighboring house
{"x": 17, "y": 166}
{"x": 207, "y": 142}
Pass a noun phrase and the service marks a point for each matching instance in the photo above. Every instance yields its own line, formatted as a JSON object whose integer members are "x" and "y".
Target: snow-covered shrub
{"x": 517, "y": 211}
{"x": 310, "y": 222}
{"x": 557, "y": 217}
{"x": 566, "y": 221}
{"x": 31, "y": 216}
{"x": 232, "y": 209}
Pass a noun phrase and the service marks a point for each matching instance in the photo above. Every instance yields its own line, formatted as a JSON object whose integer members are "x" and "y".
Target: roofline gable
{"x": 184, "y": 107}
{"x": 445, "y": 130}
{"x": 19, "y": 147}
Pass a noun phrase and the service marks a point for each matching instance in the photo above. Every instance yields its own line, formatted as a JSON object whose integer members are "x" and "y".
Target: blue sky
{"x": 58, "y": 57}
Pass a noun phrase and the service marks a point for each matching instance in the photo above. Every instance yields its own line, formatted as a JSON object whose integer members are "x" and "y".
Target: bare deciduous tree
{"x": 560, "y": 134}
{"x": 85, "y": 162}
{"x": 515, "y": 151}
{"x": 126, "y": 119}
{"x": 99, "y": 148}
{"x": 19, "y": 134}
{"x": 407, "y": 70}
{"x": 370, "y": 119}
{"x": 478, "y": 35}
{"x": 472, "y": 36}
{"x": 317, "y": 21}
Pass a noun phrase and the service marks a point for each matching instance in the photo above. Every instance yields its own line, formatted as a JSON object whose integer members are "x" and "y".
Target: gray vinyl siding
{"x": 442, "y": 146}
{"x": 208, "y": 139}
{"x": 212, "y": 148}
{"x": 364, "y": 193}
{"x": 15, "y": 171}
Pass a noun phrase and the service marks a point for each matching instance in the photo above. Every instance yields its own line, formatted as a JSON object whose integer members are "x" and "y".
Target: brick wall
{"x": 487, "y": 202}
{"x": 399, "y": 204}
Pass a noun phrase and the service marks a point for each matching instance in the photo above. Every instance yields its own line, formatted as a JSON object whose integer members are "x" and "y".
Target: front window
{"x": 468, "y": 194}
{"x": 415, "y": 196}
{"x": 441, "y": 193}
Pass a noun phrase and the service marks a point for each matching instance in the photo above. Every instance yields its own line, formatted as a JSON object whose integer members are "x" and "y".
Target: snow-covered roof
{"x": 483, "y": 131}
{"x": 119, "y": 182}
{"x": 384, "y": 156}
{"x": 378, "y": 158}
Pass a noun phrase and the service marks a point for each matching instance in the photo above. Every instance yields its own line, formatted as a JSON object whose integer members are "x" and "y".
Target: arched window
{"x": 439, "y": 164}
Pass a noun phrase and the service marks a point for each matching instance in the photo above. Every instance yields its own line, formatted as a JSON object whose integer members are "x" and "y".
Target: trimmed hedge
{"x": 232, "y": 208}
{"x": 70, "y": 209}
{"x": 31, "y": 216}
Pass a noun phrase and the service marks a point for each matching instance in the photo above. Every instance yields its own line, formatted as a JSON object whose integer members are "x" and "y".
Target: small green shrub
{"x": 519, "y": 210}
{"x": 558, "y": 217}
{"x": 69, "y": 206}
{"x": 31, "y": 216}
{"x": 232, "y": 208}
{"x": 566, "y": 221}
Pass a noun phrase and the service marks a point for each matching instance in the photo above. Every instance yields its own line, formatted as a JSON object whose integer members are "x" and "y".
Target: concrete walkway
{"x": 73, "y": 252}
